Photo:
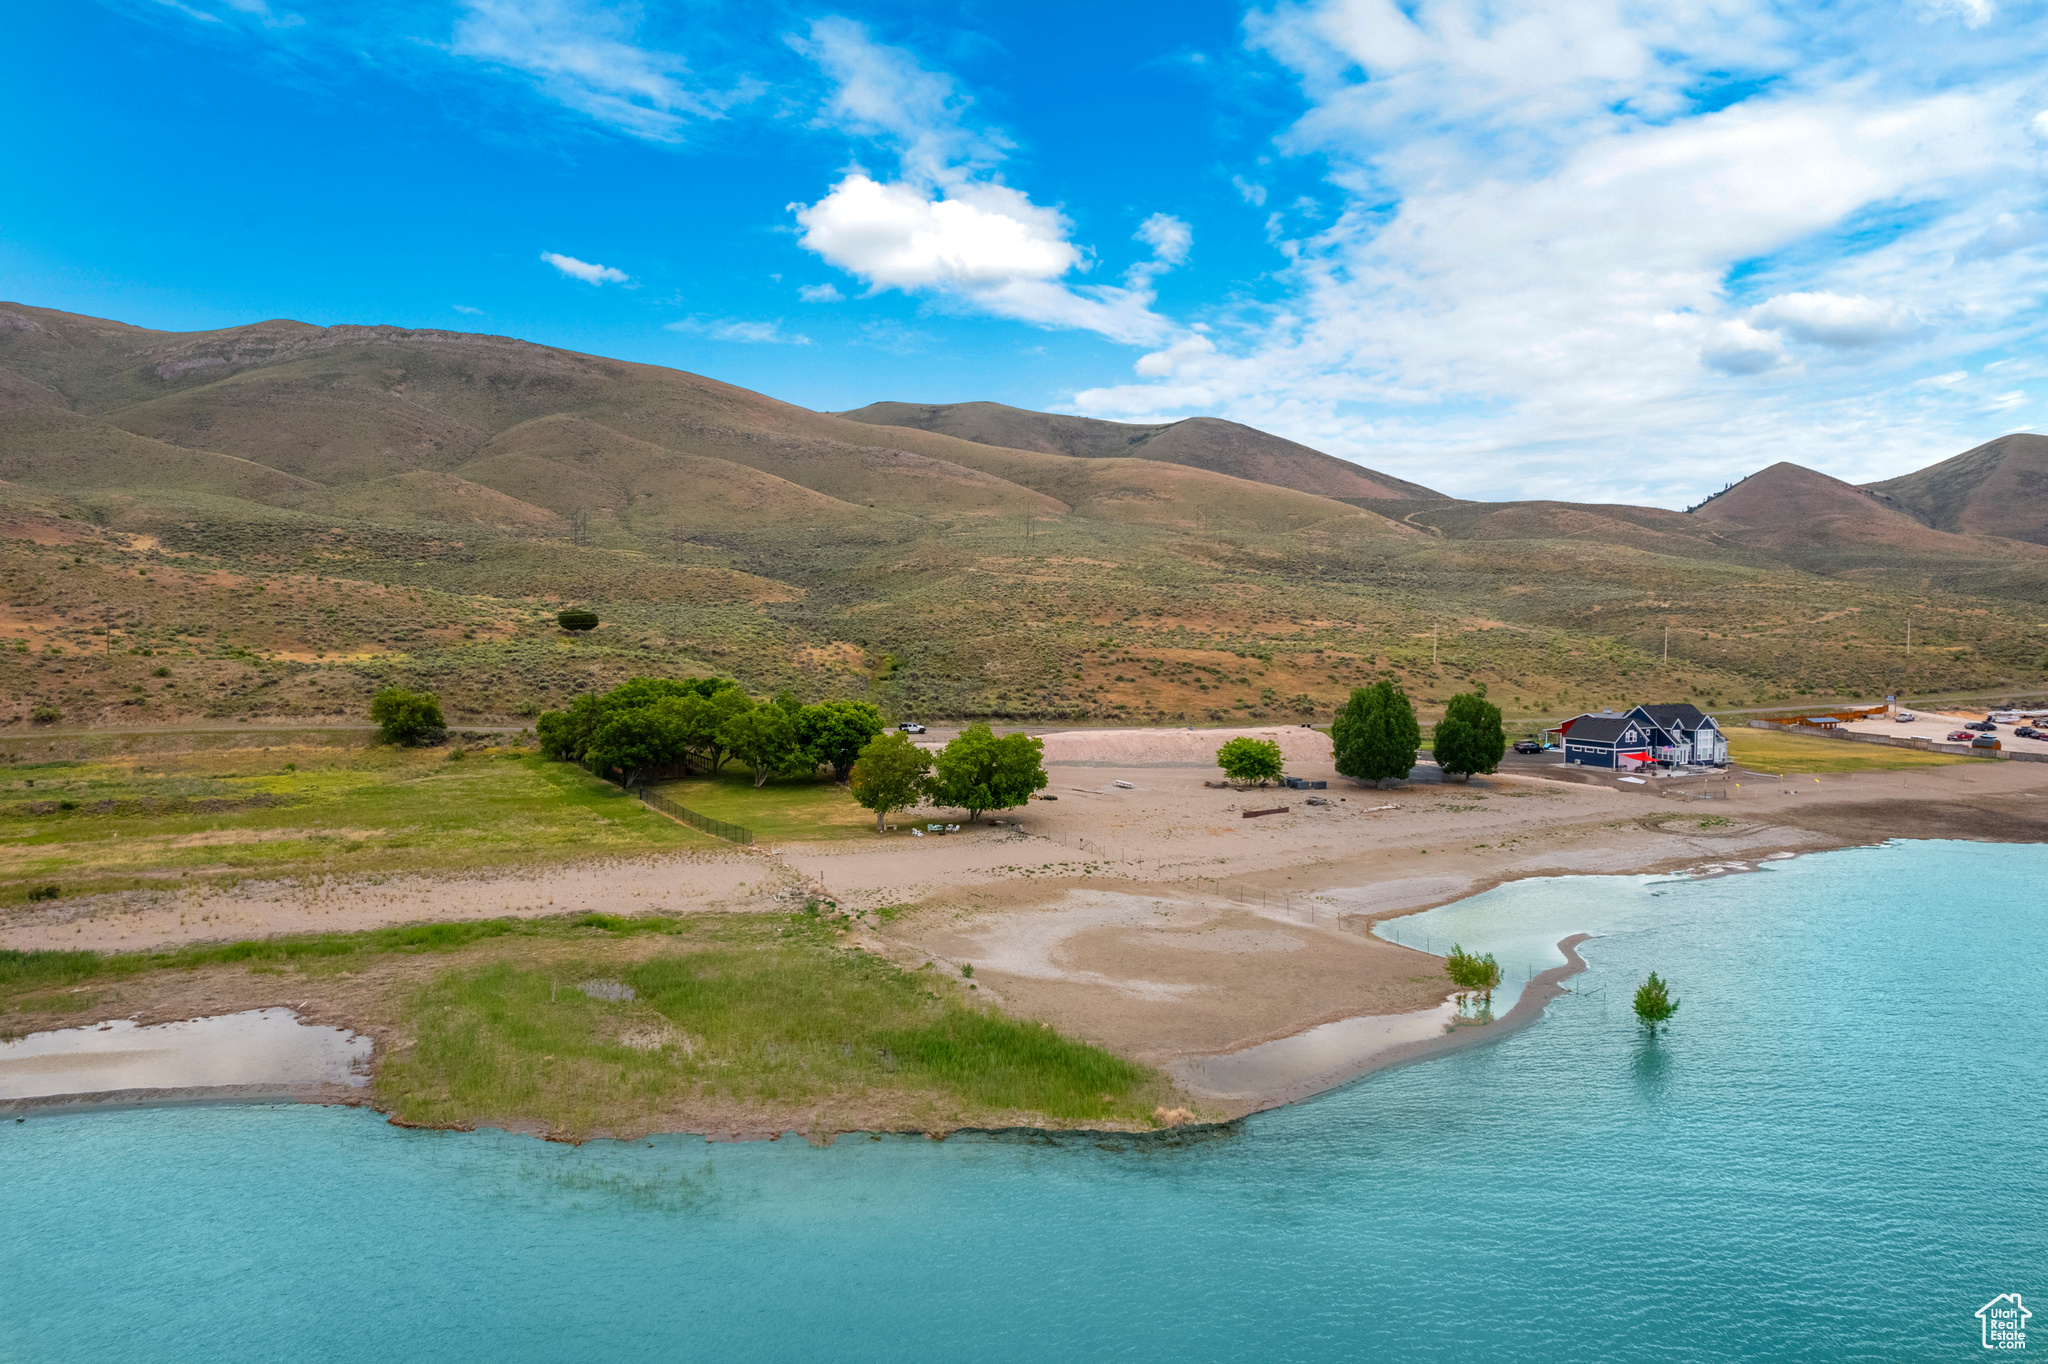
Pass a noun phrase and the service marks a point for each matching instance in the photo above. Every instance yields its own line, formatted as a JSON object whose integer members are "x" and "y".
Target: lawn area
{"x": 1763, "y": 750}
{"x": 786, "y": 810}
{"x": 744, "y": 1018}
{"x": 120, "y": 822}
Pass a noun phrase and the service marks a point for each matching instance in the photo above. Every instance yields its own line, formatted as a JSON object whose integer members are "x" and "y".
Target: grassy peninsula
{"x": 603, "y": 1025}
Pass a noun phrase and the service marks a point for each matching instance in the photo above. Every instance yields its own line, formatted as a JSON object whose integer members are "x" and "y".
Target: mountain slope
{"x": 1199, "y": 442}
{"x": 1999, "y": 488}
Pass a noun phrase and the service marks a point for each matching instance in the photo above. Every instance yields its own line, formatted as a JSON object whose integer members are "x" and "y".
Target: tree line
{"x": 651, "y": 723}
{"x": 648, "y": 723}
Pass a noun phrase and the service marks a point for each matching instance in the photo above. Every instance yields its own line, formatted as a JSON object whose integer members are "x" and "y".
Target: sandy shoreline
{"x": 1149, "y": 919}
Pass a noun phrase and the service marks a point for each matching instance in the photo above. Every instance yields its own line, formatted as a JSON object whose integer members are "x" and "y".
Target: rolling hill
{"x": 1999, "y": 488}
{"x": 1221, "y": 447}
{"x": 295, "y": 515}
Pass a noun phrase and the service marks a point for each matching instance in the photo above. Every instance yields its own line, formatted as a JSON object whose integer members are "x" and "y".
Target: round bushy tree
{"x": 1246, "y": 759}
{"x": 977, "y": 771}
{"x": 1470, "y": 738}
{"x": 889, "y": 775}
{"x": 765, "y": 739}
{"x": 836, "y": 733}
{"x": 409, "y": 718}
{"x": 577, "y": 619}
{"x": 1376, "y": 734}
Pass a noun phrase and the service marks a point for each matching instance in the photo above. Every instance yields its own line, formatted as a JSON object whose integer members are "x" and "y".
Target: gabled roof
{"x": 1677, "y": 715}
{"x": 1599, "y": 729}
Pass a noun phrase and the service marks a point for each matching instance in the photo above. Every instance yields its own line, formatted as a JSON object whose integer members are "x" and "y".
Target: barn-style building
{"x": 1678, "y": 735}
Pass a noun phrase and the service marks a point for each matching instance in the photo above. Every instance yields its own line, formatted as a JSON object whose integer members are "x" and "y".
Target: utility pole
{"x": 1667, "y": 645}
{"x": 1432, "y": 645}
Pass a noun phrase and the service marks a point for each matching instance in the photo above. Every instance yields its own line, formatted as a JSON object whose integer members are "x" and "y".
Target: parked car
{"x": 2026, "y": 732}
{"x": 909, "y": 728}
{"x": 1983, "y": 741}
{"x": 1982, "y": 726}
{"x": 1905, "y": 717}
{"x": 1528, "y": 746}
{"x": 1960, "y": 736}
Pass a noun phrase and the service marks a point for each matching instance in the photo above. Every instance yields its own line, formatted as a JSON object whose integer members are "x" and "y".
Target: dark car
{"x": 2026, "y": 732}
{"x": 1528, "y": 746}
{"x": 1983, "y": 741}
{"x": 1982, "y": 726}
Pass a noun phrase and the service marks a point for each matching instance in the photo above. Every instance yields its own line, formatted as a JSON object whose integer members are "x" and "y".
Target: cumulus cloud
{"x": 1828, "y": 319}
{"x": 949, "y": 226}
{"x": 1558, "y": 228}
{"x": 466, "y": 309}
{"x": 820, "y": 293}
{"x": 587, "y": 57}
{"x": 584, "y": 270}
{"x": 897, "y": 236}
{"x": 752, "y": 333}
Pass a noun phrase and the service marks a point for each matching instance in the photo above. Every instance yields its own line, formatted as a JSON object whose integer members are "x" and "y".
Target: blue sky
{"x": 1585, "y": 249}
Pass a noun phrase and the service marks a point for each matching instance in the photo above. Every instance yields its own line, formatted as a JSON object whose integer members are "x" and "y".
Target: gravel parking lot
{"x": 1938, "y": 725}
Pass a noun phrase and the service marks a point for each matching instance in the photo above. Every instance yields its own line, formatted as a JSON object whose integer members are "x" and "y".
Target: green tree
{"x": 889, "y": 774}
{"x": 765, "y": 739}
{"x": 1248, "y": 759}
{"x": 1478, "y": 975}
{"x": 977, "y": 771}
{"x": 707, "y": 717}
{"x": 1375, "y": 734}
{"x": 409, "y": 718}
{"x": 1470, "y": 738}
{"x": 565, "y": 735}
{"x": 836, "y": 733}
{"x": 577, "y": 620}
{"x": 1654, "y": 1003}
{"x": 634, "y": 740}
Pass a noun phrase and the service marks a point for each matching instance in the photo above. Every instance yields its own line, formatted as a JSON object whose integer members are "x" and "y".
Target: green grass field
{"x": 750, "y": 1014}
{"x": 786, "y": 810}
{"x": 124, "y": 822}
{"x": 1763, "y": 750}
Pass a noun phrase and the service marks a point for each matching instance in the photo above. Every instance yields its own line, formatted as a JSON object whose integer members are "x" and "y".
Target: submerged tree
{"x": 1654, "y": 1003}
{"x": 1472, "y": 974}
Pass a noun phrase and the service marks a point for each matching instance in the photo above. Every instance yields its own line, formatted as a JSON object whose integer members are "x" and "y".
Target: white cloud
{"x": 586, "y": 57}
{"x": 1252, "y": 193}
{"x": 466, "y": 309}
{"x": 897, "y": 236}
{"x": 949, "y": 226}
{"x": 744, "y": 332}
{"x": 1563, "y": 231}
{"x": 584, "y": 270}
{"x": 1828, "y": 319}
{"x": 820, "y": 293}
{"x": 1737, "y": 348}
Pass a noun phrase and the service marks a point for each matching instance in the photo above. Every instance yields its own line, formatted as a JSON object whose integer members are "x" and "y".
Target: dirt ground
{"x": 1152, "y": 918}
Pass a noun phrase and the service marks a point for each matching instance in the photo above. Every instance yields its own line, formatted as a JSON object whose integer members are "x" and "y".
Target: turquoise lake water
{"x": 1839, "y": 1152}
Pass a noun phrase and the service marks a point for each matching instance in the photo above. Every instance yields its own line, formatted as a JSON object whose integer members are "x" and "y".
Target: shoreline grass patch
{"x": 749, "y": 1016}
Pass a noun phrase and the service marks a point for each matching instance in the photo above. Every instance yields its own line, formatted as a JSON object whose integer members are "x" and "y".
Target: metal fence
{"x": 717, "y": 828}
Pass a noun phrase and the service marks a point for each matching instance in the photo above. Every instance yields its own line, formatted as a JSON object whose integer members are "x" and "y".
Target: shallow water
{"x": 257, "y": 1047}
{"x": 1838, "y": 1152}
